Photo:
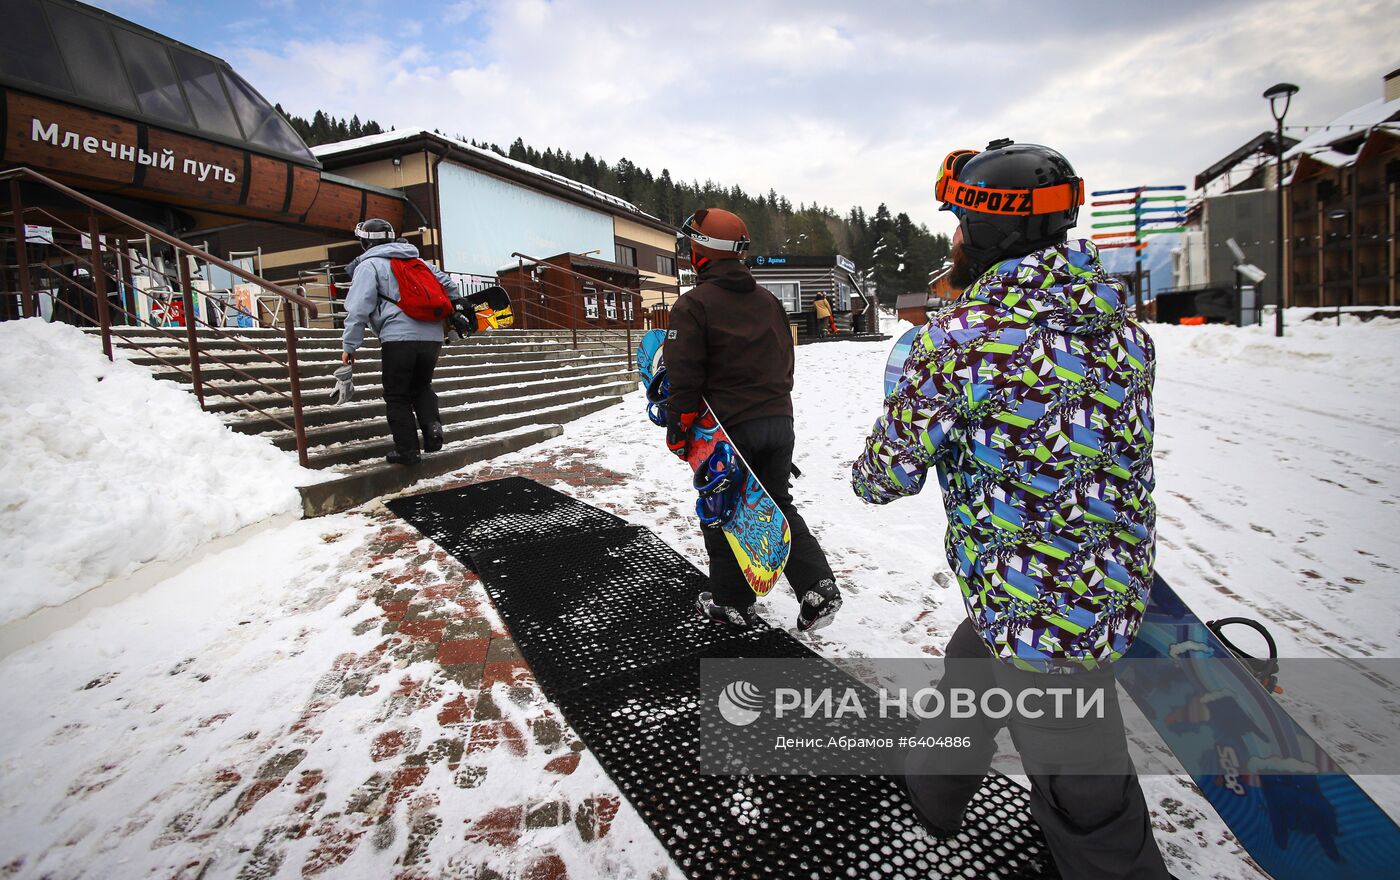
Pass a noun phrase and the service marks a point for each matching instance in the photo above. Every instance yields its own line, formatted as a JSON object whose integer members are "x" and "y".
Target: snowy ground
{"x": 1277, "y": 492}
{"x": 106, "y": 468}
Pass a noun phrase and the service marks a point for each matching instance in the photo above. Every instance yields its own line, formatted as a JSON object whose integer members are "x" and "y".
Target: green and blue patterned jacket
{"x": 1032, "y": 397}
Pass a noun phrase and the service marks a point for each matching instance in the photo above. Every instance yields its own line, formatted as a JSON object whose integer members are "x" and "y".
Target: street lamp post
{"x": 1280, "y": 92}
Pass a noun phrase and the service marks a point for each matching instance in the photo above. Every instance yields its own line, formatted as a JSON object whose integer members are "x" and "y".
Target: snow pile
{"x": 107, "y": 468}
{"x": 1366, "y": 351}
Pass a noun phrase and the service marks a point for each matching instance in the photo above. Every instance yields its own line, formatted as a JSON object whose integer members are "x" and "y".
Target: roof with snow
{"x": 1337, "y": 143}
{"x": 1263, "y": 142}
{"x": 359, "y": 149}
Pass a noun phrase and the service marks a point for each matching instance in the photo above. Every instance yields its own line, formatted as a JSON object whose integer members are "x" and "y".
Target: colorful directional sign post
{"x": 1135, "y": 218}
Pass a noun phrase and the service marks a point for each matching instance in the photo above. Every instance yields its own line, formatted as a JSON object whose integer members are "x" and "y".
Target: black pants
{"x": 1096, "y": 824}
{"x": 766, "y": 444}
{"x": 409, "y": 401}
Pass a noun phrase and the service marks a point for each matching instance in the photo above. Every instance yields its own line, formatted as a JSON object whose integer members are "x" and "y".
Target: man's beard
{"x": 960, "y": 274}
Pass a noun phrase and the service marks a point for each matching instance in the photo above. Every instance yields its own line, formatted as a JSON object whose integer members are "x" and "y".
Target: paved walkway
{"x": 428, "y": 751}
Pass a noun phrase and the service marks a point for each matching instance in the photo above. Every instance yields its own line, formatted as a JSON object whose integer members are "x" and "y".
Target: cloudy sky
{"x": 840, "y": 103}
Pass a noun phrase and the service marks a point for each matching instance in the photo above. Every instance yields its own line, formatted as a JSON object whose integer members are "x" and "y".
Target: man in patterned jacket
{"x": 1032, "y": 398}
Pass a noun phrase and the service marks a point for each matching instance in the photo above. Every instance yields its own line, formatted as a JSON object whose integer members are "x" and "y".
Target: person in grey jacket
{"x": 408, "y": 347}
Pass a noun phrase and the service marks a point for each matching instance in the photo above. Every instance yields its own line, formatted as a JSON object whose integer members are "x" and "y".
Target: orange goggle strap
{"x": 1016, "y": 202}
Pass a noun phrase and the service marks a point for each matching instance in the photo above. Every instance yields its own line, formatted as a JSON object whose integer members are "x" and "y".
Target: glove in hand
{"x": 678, "y": 427}
{"x": 344, "y": 390}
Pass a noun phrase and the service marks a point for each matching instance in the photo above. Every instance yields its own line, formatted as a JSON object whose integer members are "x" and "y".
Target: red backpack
{"x": 421, "y": 295}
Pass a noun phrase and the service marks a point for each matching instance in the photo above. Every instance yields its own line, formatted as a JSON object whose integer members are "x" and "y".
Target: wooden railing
{"x": 544, "y": 308}
{"x": 100, "y": 250}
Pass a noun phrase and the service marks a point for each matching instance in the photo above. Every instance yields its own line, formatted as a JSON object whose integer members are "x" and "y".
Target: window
{"x": 610, "y": 305}
{"x": 627, "y": 308}
{"x": 843, "y": 297}
{"x": 626, "y": 256}
{"x": 27, "y": 49}
{"x": 665, "y": 265}
{"x": 789, "y": 293}
{"x": 92, "y": 58}
{"x": 590, "y": 303}
{"x": 206, "y": 94}
{"x": 153, "y": 77}
{"x": 261, "y": 124}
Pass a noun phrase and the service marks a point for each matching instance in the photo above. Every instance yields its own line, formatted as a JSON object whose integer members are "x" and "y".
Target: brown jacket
{"x": 822, "y": 305}
{"x": 728, "y": 341}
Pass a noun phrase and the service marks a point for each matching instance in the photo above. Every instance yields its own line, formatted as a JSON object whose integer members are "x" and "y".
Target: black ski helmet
{"x": 1010, "y": 199}
{"x": 374, "y": 232}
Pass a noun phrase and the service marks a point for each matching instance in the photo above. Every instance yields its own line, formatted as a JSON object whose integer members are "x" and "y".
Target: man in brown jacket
{"x": 728, "y": 342}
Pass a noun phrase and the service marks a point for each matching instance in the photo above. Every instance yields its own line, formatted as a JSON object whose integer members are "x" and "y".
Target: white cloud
{"x": 850, "y": 104}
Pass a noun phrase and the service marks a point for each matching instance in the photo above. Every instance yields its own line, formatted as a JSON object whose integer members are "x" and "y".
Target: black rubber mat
{"x": 498, "y": 513}
{"x": 602, "y": 612}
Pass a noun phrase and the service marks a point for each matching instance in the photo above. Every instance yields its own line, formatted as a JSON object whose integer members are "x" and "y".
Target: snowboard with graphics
{"x": 758, "y": 533}
{"x": 1296, "y": 825}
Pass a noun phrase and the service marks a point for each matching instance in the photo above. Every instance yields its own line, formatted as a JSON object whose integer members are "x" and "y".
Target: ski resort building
{"x": 1237, "y": 198}
{"x": 797, "y": 280}
{"x": 1344, "y": 195}
{"x": 475, "y": 209}
{"x": 148, "y": 192}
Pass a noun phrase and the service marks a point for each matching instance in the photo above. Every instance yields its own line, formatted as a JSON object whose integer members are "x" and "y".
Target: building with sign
{"x": 797, "y": 280}
{"x": 176, "y": 138}
{"x": 163, "y": 132}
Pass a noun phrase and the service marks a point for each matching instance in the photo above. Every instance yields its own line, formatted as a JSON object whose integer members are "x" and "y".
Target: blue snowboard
{"x": 1296, "y": 826}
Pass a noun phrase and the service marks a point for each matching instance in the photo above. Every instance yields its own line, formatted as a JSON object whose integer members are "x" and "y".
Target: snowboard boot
{"x": 819, "y": 605}
{"x": 397, "y": 457}
{"x": 432, "y": 437}
{"x": 728, "y": 615}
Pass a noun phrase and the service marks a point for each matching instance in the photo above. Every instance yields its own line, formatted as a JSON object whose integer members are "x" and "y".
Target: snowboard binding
{"x": 719, "y": 482}
{"x": 657, "y": 391}
{"x": 1265, "y": 669}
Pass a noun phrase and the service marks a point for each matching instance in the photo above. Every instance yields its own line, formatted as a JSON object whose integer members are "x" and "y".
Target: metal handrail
{"x": 294, "y": 303}
{"x": 183, "y": 246}
{"x": 626, "y": 331}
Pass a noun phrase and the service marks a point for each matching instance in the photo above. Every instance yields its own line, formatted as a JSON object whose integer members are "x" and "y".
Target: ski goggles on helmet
{"x": 690, "y": 234}
{"x": 958, "y": 197}
{"x": 374, "y": 231}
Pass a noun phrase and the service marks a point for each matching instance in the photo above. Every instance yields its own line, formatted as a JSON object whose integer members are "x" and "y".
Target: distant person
{"x": 1032, "y": 398}
{"x": 728, "y": 342}
{"x": 822, "y": 305}
{"x": 408, "y": 345}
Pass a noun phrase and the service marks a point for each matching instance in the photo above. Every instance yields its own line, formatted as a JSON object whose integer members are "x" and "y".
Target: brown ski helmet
{"x": 711, "y": 234}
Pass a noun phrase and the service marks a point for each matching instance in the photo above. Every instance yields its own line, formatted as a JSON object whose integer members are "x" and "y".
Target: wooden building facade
{"x": 1343, "y": 211}
{"x": 797, "y": 281}
{"x": 913, "y": 307}
{"x": 587, "y": 294}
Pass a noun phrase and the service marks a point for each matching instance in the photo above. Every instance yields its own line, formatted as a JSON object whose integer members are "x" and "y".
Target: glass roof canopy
{"x": 69, "y": 51}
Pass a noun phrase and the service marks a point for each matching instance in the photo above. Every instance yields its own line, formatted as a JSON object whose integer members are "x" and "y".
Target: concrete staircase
{"x": 499, "y": 391}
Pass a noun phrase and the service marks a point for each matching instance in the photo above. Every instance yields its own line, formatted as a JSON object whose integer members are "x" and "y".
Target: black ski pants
{"x": 1084, "y": 790}
{"x": 766, "y": 444}
{"x": 409, "y": 400}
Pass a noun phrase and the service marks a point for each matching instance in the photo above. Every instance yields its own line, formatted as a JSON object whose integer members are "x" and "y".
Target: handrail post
{"x": 632, "y": 316}
{"x": 294, "y": 380}
{"x": 191, "y": 319}
{"x": 99, "y": 285}
{"x": 28, "y": 305}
